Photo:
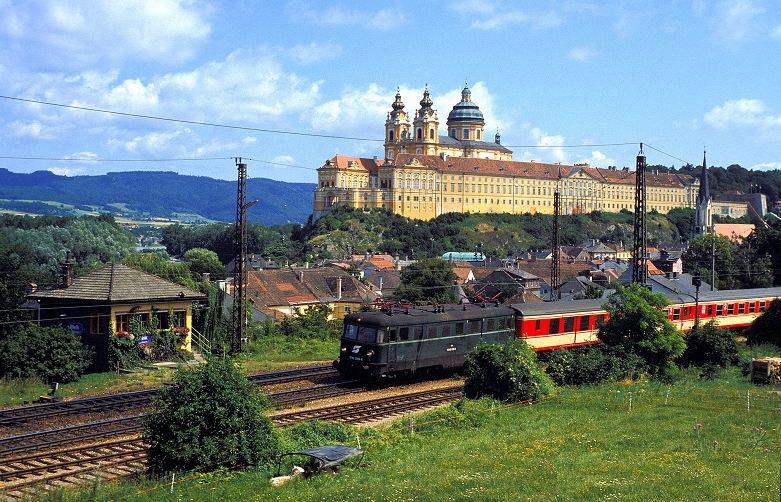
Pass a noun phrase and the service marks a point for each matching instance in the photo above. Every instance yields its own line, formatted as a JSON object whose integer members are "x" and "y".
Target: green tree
{"x": 212, "y": 417}
{"x": 709, "y": 345}
{"x": 638, "y": 325}
{"x": 160, "y": 266}
{"x": 201, "y": 261}
{"x": 311, "y": 323}
{"x": 509, "y": 372}
{"x": 53, "y": 354}
{"x": 699, "y": 256}
{"x": 429, "y": 280}
{"x": 765, "y": 328}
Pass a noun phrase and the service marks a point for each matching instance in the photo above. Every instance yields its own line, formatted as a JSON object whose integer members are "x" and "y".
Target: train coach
{"x": 401, "y": 341}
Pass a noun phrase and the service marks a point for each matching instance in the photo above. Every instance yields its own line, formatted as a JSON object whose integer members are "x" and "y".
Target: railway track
{"x": 135, "y": 400}
{"x": 114, "y": 448}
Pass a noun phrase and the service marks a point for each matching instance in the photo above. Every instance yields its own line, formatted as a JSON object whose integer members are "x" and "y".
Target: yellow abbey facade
{"x": 424, "y": 175}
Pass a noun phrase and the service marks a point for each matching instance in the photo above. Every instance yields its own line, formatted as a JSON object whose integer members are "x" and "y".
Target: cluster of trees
{"x": 734, "y": 265}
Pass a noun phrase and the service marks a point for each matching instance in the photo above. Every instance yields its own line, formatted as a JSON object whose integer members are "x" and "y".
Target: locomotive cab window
{"x": 350, "y": 331}
{"x": 366, "y": 334}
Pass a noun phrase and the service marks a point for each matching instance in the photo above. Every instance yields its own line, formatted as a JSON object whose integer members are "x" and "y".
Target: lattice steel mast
{"x": 240, "y": 261}
{"x": 555, "y": 254}
{"x": 639, "y": 267}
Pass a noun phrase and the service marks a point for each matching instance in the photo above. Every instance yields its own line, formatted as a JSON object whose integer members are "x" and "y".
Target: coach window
{"x": 459, "y": 328}
{"x": 432, "y": 331}
{"x": 600, "y": 320}
{"x": 537, "y": 325}
{"x": 762, "y": 306}
{"x": 553, "y": 327}
{"x": 418, "y": 332}
{"x": 719, "y": 310}
{"x": 583, "y": 323}
{"x": 752, "y": 307}
{"x": 710, "y": 310}
{"x": 676, "y": 314}
{"x": 741, "y": 308}
{"x": 731, "y": 309}
{"x": 569, "y": 324}
{"x": 403, "y": 334}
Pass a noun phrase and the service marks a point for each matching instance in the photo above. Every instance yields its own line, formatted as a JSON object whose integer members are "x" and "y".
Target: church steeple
{"x": 704, "y": 193}
{"x": 703, "y": 218}
{"x": 426, "y": 126}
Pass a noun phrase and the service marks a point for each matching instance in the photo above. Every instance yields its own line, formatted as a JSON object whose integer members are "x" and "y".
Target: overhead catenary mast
{"x": 639, "y": 266}
{"x": 555, "y": 254}
{"x": 240, "y": 261}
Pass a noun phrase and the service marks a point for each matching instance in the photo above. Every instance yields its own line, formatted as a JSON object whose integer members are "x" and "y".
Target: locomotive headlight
{"x": 369, "y": 353}
{"x": 344, "y": 349}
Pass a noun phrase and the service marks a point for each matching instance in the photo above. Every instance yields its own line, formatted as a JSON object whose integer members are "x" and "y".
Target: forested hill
{"x": 144, "y": 194}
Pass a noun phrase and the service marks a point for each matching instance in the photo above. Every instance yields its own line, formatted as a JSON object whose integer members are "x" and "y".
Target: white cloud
{"x": 738, "y": 112}
{"x": 582, "y": 54}
{"x": 26, "y": 128}
{"x": 314, "y": 53}
{"x": 736, "y": 21}
{"x": 68, "y": 171}
{"x": 356, "y": 109}
{"x": 283, "y": 161}
{"x": 385, "y": 19}
{"x": 766, "y": 166}
{"x": 549, "y": 144}
{"x": 65, "y": 34}
{"x": 491, "y": 17}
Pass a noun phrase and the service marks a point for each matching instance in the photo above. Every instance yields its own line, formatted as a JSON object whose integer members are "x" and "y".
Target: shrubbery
{"x": 710, "y": 346}
{"x": 509, "y": 372}
{"x": 212, "y": 417}
{"x": 592, "y": 365}
{"x": 765, "y": 328}
{"x": 53, "y": 354}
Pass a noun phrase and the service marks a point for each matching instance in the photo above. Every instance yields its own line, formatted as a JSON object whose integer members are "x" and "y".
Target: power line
{"x": 190, "y": 122}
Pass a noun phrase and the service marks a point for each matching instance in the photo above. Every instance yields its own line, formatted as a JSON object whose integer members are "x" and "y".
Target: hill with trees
{"x": 153, "y": 194}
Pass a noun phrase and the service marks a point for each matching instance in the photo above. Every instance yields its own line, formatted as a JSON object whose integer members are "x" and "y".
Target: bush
{"x": 212, "y": 417}
{"x": 509, "y": 372}
{"x": 52, "y": 354}
{"x": 764, "y": 329}
{"x": 593, "y": 365}
{"x": 317, "y": 433}
{"x": 709, "y": 345}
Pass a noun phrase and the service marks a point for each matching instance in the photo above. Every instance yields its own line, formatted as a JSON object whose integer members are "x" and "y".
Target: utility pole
{"x": 555, "y": 255}
{"x": 240, "y": 261}
{"x": 639, "y": 267}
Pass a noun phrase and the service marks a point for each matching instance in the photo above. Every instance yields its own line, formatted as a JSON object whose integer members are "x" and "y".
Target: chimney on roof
{"x": 379, "y": 283}
{"x": 338, "y": 288}
{"x": 67, "y": 271}
{"x": 205, "y": 276}
{"x": 301, "y": 276}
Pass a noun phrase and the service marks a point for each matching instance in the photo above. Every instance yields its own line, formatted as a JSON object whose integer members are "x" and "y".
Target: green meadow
{"x": 644, "y": 441}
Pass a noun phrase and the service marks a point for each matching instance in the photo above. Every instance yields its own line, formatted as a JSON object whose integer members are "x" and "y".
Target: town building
{"x": 103, "y": 301}
{"x": 424, "y": 175}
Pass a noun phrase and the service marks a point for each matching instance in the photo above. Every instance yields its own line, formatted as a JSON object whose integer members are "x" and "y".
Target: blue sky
{"x": 563, "y": 81}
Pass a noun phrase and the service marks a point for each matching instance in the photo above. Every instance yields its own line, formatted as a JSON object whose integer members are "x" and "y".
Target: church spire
{"x": 704, "y": 194}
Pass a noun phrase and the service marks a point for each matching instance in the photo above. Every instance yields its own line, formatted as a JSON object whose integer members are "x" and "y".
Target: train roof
{"x": 560, "y": 307}
{"x": 429, "y": 314}
{"x": 726, "y": 295}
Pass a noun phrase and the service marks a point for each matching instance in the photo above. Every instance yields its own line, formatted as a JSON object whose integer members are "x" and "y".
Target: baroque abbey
{"x": 424, "y": 174}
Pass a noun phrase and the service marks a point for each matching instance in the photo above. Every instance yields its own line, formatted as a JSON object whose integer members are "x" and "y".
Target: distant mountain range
{"x": 154, "y": 194}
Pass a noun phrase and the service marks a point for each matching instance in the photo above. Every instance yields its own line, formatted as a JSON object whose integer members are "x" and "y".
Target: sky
{"x": 285, "y": 85}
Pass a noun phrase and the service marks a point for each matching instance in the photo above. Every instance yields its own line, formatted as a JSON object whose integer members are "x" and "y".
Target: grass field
{"x": 636, "y": 441}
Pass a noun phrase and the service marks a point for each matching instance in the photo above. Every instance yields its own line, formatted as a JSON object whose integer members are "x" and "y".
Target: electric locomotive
{"x": 397, "y": 342}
